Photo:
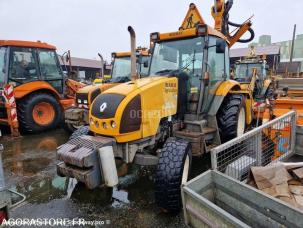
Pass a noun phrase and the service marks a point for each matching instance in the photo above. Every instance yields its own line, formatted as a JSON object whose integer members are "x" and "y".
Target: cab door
{"x": 218, "y": 65}
{"x": 50, "y": 69}
{"x": 23, "y": 65}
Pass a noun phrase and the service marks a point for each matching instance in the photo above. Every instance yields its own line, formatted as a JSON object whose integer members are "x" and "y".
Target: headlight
{"x": 79, "y": 101}
{"x": 96, "y": 124}
{"x": 91, "y": 121}
{"x": 113, "y": 124}
{"x": 104, "y": 125}
{"x": 85, "y": 101}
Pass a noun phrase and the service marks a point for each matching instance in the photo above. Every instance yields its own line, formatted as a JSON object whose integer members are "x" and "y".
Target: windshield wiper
{"x": 119, "y": 79}
{"x": 164, "y": 72}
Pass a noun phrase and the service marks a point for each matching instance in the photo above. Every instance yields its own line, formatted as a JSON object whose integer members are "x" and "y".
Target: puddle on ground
{"x": 30, "y": 168}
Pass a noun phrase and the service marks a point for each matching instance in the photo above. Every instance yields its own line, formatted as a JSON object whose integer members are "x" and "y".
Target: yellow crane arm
{"x": 220, "y": 13}
{"x": 240, "y": 32}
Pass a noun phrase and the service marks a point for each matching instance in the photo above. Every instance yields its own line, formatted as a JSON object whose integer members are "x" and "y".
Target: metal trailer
{"x": 6, "y": 195}
{"x": 214, "y": 199}
{"x": 221, "y": 198}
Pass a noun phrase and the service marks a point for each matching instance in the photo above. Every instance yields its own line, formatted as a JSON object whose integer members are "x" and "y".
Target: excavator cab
{"x": 22, "y": 62}
{"x": 33, "y": 88}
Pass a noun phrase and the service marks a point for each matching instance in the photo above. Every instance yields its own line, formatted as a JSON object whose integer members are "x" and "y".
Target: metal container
{"x": 215, "y": 200}
{"x": 299, "y": 140}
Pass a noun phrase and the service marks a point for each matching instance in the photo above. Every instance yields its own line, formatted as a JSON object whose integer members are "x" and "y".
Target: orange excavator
{"x": 33, "y": 89}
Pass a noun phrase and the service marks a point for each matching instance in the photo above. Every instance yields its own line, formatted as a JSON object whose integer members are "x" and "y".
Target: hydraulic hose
{"x": 251, "y": 31}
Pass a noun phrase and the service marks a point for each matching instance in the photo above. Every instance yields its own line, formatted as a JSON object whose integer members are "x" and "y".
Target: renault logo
{"x": 103, "y": 107}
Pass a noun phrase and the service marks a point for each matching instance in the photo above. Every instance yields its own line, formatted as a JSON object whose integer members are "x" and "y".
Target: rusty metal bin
{"x": 216, "y": 200}
{"x": 299, "y": 140}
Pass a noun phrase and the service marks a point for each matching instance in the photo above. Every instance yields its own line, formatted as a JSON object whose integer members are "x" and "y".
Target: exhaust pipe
{"x": 102, "y": 66}
{"x": 132, "y": 33}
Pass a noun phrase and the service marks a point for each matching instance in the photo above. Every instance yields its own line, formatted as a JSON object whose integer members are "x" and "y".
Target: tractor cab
{"x": 252, "y": 72}
{"x": 199, "y": 57}
{"x": 244, "y": 70}
{"x": 121, "y": 65}
{"x": 23, "y": 62}
{"x": 121, "y": 72}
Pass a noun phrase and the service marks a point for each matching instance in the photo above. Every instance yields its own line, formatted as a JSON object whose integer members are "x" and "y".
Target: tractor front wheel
{"x": 38, "y": 112}
{"x": 172, "y": 172}
{"x": 231, "y": 117}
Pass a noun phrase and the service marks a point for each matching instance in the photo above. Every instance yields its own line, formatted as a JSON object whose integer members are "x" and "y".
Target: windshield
{"x": 2, "y": 65}
{"x": 244, "y": 72}
{"x": 184, "y": 55}
{"x": 121, "y": 70}
{"x": 183, "y": 58}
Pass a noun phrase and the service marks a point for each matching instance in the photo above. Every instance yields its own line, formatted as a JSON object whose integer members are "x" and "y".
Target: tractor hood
{"x": 134, "y": 109}
{"x": 128, "y": 87}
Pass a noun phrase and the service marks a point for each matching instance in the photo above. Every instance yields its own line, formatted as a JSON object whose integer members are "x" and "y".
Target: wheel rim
{"x": 43, "y": 113}
{"x": 241, "y": 123}
{"x": 185, "y": 170}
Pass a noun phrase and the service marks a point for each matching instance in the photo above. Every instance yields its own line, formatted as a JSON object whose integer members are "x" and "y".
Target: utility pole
{"x": 293, "y": 44}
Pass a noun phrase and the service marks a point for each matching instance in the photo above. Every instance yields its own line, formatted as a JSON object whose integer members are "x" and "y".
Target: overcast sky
{"x": 87, "y": 27}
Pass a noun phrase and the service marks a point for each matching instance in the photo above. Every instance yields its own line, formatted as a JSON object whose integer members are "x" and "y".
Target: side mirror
{"x": 220, "y": 46}
{"x": 145, "y": 64}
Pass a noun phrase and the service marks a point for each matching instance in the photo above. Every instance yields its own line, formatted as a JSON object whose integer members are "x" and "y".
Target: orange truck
{"x": 33, "y": 89}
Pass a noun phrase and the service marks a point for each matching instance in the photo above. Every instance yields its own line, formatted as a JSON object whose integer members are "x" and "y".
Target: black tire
{"x": 169, "y": 173}
{"x": 25, "y": 112}
{"x": 228, "y": 115}
{"x": 84, "y": 130}
{"x": 269, "y": 94}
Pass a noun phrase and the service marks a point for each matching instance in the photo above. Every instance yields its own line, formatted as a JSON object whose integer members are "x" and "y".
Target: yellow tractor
{"x": 187, "y": 105}
{"x": 260, "y": 81}
{"x": 77, "y": 116}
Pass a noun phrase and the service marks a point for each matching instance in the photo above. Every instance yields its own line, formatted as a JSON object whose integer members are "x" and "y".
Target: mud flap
{"x": 80, "y": 159}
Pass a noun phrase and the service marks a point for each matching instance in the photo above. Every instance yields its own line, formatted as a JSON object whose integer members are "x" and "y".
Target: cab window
{"x": 3, "y": 65}
{"x": 217, "y": 62}
{"x": 23, "y": 65}
{"x": 144, "y": 69}
{"x": 49, "y": 65}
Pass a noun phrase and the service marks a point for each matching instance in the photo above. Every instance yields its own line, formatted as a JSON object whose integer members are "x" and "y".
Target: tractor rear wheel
{"x": 231, "y": 117}
{"x": 38, "y": 112}
{"x": 172, "y": 171}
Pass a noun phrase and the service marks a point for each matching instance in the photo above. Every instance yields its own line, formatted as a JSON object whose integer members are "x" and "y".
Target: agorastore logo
{"x": 53, "y": 222}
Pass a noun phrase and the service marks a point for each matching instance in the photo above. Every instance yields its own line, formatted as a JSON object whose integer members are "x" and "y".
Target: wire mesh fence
{"x": 271, "y": 142}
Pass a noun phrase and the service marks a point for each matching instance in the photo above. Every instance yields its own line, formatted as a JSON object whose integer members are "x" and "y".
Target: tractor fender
{"x": 223, "y": 89}
{"x": 23, "y": 90}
